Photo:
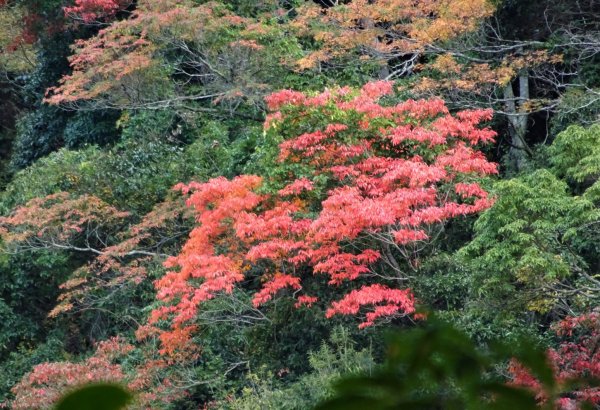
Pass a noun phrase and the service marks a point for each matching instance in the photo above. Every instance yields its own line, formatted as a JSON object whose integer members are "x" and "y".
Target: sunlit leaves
{"x": 381, "y": 29}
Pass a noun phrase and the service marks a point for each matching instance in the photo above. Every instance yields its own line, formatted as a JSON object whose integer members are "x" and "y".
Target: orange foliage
{"x": 454, "y": 76}
{"x": 87, "y": 224}
{"x": 124, "y": 64}
{"x": 125, "y": 262}
{"x": 92, "y": 10}
{"x": 383, "y": 28}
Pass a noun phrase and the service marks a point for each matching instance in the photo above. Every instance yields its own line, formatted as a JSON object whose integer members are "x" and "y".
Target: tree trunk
{"x": 519, "y": 151}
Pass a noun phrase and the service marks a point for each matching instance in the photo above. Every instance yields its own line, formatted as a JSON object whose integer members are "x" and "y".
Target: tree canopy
{"x": 288, "y": 203}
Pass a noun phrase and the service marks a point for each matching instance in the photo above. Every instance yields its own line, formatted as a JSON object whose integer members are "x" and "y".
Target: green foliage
{"x": 285, "y": 340}
{"x": 40, "y": 131}
{"x": 536, "y": 250}
{"x": 338, "y": 357}
{"x": 28, "y": 291}
{"x": 137, "y": 174}
{"x": 586, "y": 111}
{"x": 91, "y": 127}
{"x": 526, "y": 261}
{"x": 48, "y": 129}
{"x": 526, "y": 246}
{"x": 96, "y": 397}
{"x": 438, "y": 367}
{"x": 133, "y": 174}
{"x": 57, "y": 172}
{"x": 142, "y": 125}
{"x": 251, "y": 8}
{"x": 22, "y": 359}
{"x": 38, "y": 134}
{"x": 13, "y": 327}
{"x": 442, "y": 283}
{"x": 575, "y": 154}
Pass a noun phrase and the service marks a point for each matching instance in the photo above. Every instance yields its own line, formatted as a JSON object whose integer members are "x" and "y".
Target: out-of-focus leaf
{"x": 96, "y": 397}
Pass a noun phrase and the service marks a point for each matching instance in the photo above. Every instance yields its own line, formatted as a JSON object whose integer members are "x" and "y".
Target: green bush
{"x": 265, "y": 390}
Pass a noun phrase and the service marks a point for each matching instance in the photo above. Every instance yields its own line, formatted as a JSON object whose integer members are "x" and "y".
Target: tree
{"x": 16, "y": 55}
{"x": 353, "y": 190}
{"x": 469, "y": 52}
{"x": 535, "y": 250}
{"x": 173, "y": 54}
{"x": 89, "y": 226}
{"x": 394, "y": 33}
{"x": 49, "y": 383}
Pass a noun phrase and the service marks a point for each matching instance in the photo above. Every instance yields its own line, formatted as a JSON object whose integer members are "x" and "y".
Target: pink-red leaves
{"x": 577, "y": 357}
{"x": 93, "y": 10}
{"x": 386, "y": 302}
{"x": 376, "y": 179}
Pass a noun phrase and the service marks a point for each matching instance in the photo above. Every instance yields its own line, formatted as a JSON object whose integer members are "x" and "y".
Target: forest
{"x": 300, "y": 204}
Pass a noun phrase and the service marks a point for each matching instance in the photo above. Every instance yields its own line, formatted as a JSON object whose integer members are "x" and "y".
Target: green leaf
{"x": 96, "y": 397}
{"x": 507, "y": 397}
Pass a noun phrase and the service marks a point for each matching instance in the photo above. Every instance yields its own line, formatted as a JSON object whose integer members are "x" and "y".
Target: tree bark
{"x": 519, "y": 151}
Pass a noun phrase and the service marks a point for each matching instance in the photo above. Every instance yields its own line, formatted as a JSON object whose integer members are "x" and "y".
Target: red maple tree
{"x": 355, "y": 187}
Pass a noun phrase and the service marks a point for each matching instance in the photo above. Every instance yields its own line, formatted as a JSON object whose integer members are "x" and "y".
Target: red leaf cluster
{"x": 93, "y": 10}
{"x": 48, "y": 381}
{"x": 377, "y": 178}
{"x": 578, "y": 356}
